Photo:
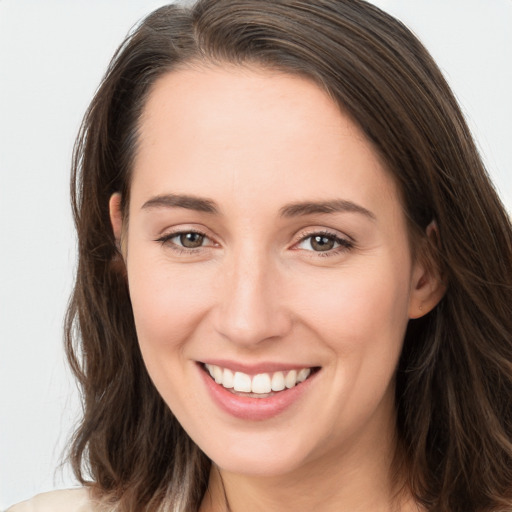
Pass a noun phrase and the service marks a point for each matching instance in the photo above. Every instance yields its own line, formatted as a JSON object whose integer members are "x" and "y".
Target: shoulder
{"x": 71, "y": 500}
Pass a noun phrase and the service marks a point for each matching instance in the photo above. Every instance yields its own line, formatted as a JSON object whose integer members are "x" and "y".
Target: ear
{"x": 116, "y": 216}
{"x": 427, "y": 286}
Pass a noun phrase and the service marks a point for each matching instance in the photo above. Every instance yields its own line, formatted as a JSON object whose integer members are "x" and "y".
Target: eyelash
{"x": 166, "y": 240}
{"x": 343, "y": 244}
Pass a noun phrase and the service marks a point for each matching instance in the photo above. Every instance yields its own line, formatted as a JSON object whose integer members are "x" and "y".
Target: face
{"x": 269, "y": 269}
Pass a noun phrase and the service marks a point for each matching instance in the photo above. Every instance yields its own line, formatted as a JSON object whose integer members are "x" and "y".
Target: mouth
{"x": 261, "y": 385}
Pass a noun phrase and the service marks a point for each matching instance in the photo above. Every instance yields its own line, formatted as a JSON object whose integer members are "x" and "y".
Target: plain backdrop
{"x": 52, "y": 57}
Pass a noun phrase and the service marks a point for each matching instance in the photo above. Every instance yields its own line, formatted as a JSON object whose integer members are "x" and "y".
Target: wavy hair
{"x": 454, "y": 381}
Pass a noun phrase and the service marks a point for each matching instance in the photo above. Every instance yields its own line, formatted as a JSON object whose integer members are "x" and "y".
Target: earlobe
{"x": 427, "y": 285}
{"x": 116, "y": 217}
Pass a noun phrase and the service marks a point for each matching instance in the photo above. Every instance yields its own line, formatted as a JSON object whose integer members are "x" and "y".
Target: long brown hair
{"x": 454, "y": 381}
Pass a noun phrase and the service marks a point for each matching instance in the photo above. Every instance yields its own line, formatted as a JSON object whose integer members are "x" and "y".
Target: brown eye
{"x": 322, "y": 243}
{"x": 191, "y": 240}
{"x": 325, "y": 244}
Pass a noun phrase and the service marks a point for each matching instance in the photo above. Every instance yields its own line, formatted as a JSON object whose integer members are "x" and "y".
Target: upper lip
{"x": 255, "y": 368}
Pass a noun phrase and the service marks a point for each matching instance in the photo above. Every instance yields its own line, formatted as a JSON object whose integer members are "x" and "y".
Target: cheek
{"x": 168, "y": 304}
{"x": 361, "y": 315}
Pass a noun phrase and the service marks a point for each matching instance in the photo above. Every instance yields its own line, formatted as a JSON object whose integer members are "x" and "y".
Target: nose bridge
{"x": 250, "y": 307}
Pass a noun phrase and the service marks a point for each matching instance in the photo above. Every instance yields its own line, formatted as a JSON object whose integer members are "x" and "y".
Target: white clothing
{"x": 71, "y": 500}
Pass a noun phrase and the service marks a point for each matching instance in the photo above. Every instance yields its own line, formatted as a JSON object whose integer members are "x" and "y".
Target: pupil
{"x": 191, "y": 240}
{"x": 322, "y": 243}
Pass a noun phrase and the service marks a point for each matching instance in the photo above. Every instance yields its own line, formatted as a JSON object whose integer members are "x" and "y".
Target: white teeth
{"x": 210, "y": 369}
{"x": 278, "y": 381}
{"x": 303, "y": 374}
{"x": 242, "y": 382}
{"x": 261, "y": 384}
{"x": 217, "y": 374}
{"x": 291, "y": 379}
{"x": 227, "y": 378}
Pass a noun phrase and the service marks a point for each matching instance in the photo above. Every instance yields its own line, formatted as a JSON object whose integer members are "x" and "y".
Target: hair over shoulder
{"x": 454, "y": 381}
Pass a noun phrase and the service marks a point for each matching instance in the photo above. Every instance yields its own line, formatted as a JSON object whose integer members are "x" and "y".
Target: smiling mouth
{"x": 262, "y": 385}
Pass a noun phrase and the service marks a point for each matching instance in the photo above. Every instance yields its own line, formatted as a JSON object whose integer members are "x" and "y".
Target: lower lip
{"x": 254, "y": 409}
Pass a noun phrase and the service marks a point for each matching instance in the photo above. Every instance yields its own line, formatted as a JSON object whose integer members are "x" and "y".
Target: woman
{"x": 294, "y": 281}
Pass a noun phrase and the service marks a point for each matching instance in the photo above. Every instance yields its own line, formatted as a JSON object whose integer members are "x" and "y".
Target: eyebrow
{"x": 181, "y": 201}
{"x": 291, "y": 210}
{"x": 334, "y": 206}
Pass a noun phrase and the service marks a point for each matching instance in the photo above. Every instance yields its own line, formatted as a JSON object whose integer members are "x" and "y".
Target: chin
{"x": 259, "y": 456}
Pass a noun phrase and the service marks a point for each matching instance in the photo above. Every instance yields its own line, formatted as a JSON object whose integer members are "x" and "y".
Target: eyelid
{"x": 314, "y": 230}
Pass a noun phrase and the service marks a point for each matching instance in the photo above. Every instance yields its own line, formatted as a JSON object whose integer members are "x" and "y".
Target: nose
{"x": 251, "y": 306}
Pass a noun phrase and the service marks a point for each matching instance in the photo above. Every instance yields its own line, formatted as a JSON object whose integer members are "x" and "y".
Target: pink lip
{"x": 254, "y": 369}
{"x": 253, "y": 409}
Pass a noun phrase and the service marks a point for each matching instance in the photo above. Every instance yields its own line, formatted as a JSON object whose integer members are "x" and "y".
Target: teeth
{"x": 278, "y": 381}
{"x": 303, "y": 374}
{"x": 291, "y": 379}
{"x": 227, "y": 378}
{"x": 242, "y": 382}
{"x": 217, "y": 374}
{"x": 261, "y": 384}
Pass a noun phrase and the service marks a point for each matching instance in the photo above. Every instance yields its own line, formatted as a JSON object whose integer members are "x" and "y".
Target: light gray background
{"x": 52, "y": 56}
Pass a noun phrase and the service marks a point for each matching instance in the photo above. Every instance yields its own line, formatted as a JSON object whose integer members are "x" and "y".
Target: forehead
{"x": 222, "y": 129}
{"x": 243, "y": 104}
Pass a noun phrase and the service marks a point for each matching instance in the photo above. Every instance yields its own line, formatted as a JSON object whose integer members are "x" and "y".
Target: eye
{"x": 190, "y": 240}
{"x": 186, "y": 240}
{"x": 324, "y": 243}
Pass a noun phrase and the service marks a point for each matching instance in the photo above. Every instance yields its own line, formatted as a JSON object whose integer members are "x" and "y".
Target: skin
{"x": 254, "y": 142}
